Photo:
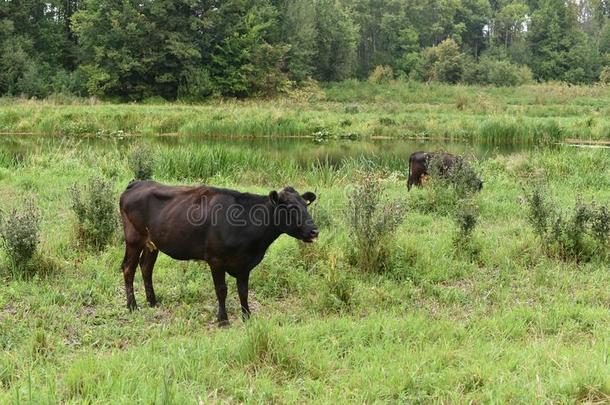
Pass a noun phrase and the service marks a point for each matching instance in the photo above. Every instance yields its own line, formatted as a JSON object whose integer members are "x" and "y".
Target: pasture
{"x": 496, "y": 319}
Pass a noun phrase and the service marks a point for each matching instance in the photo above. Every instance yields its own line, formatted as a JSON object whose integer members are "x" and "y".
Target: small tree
{"x": 443, "y": 62}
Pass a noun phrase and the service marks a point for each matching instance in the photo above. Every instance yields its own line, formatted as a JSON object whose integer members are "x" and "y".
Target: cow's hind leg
{"x": 147, "y": 263}
{"x": 134, "y": 243}
{"x": 130, "y": 264}
{"x": 242, "y": 290}
{"x": 220, "y": 285}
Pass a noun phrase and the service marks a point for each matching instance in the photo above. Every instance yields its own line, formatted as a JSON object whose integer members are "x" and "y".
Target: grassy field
{"x": 528, "y": 114}
{"x": 507, "y": 324}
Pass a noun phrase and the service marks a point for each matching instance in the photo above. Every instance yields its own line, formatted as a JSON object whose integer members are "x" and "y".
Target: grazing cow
{"x": 229, "y": 230}
{"x": 419, "y": 165}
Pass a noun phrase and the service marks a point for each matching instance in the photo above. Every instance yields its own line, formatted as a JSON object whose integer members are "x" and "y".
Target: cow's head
{"x": 290, "y": 213}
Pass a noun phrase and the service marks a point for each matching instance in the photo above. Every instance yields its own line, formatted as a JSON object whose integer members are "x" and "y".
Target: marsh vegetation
{"x": 455, "y": 301}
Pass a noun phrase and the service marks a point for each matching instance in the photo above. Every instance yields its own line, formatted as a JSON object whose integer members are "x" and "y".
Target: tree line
{"x": 194, "y": 49}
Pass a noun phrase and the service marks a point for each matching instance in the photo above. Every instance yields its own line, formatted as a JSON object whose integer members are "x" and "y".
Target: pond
{"x": 389, "y": 153}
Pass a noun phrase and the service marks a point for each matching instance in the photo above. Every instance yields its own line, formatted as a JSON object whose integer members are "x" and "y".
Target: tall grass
{"x": 546, "y": 113}
{"x": 508, "y": 131}
{"x": 509, "y": 324}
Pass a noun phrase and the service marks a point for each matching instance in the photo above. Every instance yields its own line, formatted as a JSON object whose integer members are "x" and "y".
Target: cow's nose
{"x": 314, "y": 233}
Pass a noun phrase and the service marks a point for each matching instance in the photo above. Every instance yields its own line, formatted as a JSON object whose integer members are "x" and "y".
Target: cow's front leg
{"x": 242, "y": 290}
{"x": 221, "y": 294}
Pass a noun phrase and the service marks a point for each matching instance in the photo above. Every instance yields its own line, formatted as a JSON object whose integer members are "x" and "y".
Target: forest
{"x": 190, "y": 50}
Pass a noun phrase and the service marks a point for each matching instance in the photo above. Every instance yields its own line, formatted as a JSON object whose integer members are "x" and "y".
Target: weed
{"x": 19, "y": 234}
{"x": 446, "y": 186}
{"x": 461, "y": 102}
{"x": 263, "y": 346}
{"x": 387, "y": 121}
{"x": 579, "y": 234}
{"x": 338, "y": 292}
{"x": 322, "y": 135}
{"x": 142, "y": 161}
{"x": 351, "y": 109}
{"x": 371, "y": 220}
{"x": 465, "y": 217}
{"x": 95, "y": 209}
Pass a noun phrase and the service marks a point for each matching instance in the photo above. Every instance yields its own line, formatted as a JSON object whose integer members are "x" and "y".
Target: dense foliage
{"x": 193, "y": 49}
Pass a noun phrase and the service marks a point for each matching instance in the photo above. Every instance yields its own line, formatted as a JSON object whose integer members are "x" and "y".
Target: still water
{"x": 392, "y": 153}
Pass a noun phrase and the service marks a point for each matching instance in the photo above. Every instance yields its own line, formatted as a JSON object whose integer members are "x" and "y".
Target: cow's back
{"x": 145, "y": 203}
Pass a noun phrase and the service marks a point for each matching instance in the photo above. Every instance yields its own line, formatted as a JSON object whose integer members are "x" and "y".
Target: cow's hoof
{"x": 223, "y": 323}
{"x": 132, "y": 306}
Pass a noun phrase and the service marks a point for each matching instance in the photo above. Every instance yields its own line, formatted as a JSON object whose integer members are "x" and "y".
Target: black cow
{"x": 229, "y": 230}
{"x": 419, "y": 166}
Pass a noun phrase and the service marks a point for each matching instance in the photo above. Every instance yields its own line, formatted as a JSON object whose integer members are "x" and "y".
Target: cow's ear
{"x": 309, "y": 197}
{"x": 274, "y": 197}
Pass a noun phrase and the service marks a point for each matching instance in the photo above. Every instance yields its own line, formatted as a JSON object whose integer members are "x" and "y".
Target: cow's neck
{"x": 269, "y": 232}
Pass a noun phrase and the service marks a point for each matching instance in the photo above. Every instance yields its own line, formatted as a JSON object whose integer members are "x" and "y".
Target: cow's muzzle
{"x": 312, "y": 236}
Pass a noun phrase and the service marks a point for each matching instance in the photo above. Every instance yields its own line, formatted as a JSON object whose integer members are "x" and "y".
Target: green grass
{"x": 511, "y": 325}
{"x": 533, "y": 114}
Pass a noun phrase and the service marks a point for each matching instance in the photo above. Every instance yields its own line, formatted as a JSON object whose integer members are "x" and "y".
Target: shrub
{"x": 371, "y": 220}
{"x": 465, "y": 216}
{"x": 466, "y": 219}
{"x": 538, "y": 212}
{"x": 19, "y": 234}
{"x": 381, "y": 74}
{"x": 502, "y": 73}
{"x": 142, "y": 162}
{"x": 604, "y": 76}
{"x": 446, "y": 189}
{"x": 95, "y": 209}
{"x": 578, "y": 234}
{"x": 443, "y": 62}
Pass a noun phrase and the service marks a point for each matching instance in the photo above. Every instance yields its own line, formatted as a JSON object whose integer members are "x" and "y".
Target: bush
{"x": 371, "y": 220}
{"x": 142, "y": 162}
{"x": 446, "y": 189}
{"x": 579, "y": 234}
{"x": 443, "y": 63}
{"x": 381, "y": 74}
{"x": 95, "y": 209}
{"x": 465, "y": 217}
{"x": 502, "y": 73}
{"x": 19, "y": 234}
{"x": 604, "y": 76}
